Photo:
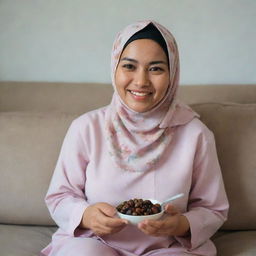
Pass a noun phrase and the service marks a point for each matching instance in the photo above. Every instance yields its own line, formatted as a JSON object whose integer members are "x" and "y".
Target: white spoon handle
{"x": 171, "y": 199}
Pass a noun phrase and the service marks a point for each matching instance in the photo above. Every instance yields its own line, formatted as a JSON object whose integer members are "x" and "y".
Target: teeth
{"x": 139, "y": 93}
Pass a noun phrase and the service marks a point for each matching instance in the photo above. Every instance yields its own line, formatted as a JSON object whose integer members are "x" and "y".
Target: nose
{"x": 141, "y": 78}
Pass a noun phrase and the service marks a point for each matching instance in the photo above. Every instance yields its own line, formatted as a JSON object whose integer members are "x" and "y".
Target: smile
{"x": 140, "y": 94}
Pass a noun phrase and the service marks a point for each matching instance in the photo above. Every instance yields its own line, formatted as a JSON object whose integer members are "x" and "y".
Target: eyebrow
{"x": 151, "y": 63}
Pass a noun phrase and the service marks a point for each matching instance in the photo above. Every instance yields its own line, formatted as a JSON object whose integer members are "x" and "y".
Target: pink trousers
{"x": 92, "y": 247}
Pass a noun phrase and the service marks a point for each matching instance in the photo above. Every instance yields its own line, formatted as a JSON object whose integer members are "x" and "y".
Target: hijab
{"x": 149, "y": 32}
{"x": 137, "y": 141}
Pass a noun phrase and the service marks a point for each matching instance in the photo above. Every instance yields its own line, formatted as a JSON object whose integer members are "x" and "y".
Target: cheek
{"x": 119, "y": 83}
{"x": 162, "y": 87}
{"x": 121, "y": 80}
{"x": 165, "y": 88}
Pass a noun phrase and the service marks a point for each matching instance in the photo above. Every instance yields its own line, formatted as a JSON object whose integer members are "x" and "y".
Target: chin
{"x": 139, "y": 109}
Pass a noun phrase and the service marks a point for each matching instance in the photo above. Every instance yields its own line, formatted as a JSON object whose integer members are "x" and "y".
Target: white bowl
{"x": 136, "y": 219}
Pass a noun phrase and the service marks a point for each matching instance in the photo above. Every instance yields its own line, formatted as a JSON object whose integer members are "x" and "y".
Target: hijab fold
{"x": 137, "y": 141}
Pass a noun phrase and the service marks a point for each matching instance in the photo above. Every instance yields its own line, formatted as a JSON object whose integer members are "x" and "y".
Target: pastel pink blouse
{"x": 85, "y": 175}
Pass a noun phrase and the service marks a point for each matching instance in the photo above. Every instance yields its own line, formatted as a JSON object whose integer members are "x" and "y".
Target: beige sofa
{"x": 34, "y": 118}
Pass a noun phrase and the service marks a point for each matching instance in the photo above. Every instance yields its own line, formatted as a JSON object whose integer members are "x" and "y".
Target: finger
{"x": 154, "y": 223}
{"x": 155, "y": 228}
{"x": 104, "y": 224}
{"x": 150, "y": 227}
{"x": 109, "y": 228}
{"x": 115, "y": 230}
{"x": 158, "y": 224}
{"x": 145, "y": 229}
{"x": 171, "y": 209}
{"x": 103, "y": 229}
{"x": 114, "y": 222}
{"x": 110, "y": 221}
{"x": 107, "y": 209}
{"x": 149, "y": 230}
{"x": 107, "y": 216}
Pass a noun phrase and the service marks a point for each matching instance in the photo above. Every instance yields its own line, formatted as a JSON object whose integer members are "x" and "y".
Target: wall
{"x": 70, "y": 40}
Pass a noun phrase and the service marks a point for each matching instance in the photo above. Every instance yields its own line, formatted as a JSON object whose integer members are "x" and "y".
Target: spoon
{"x": 165, "y": 202}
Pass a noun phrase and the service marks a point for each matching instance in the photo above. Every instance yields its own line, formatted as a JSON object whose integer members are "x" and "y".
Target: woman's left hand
{"x": 172, "y": 224}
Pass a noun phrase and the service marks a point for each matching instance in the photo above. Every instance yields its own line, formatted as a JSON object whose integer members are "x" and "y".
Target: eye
{"x": 128, "y": 66}
{"x": 156, "y": 69}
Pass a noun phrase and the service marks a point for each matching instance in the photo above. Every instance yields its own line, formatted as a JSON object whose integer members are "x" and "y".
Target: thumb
{"x": 170, "y": 209}
{"x": 107, "y": 209}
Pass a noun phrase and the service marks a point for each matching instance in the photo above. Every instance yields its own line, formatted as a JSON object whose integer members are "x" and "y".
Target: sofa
{"x": 34, "y": 117}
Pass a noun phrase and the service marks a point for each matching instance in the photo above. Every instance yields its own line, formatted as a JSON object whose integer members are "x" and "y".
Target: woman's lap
{"x": 83, "y": 247}
{"x": 79, "y": 246}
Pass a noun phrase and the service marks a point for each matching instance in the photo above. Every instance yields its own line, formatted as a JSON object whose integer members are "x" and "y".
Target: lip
{"x": 149, "y": 92}
{"x": 140, "y": 97}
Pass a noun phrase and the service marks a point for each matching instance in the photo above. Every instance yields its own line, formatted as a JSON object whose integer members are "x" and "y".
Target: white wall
{"x": 70, "y": 40}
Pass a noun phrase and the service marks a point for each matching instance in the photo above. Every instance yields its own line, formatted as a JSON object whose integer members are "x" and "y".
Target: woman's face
{"x": 142, "y": 75}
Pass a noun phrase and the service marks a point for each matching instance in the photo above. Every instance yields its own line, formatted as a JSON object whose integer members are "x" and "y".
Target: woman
{"x": 145, "y": 144}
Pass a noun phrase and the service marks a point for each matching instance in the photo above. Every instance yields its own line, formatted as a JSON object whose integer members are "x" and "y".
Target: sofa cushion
{"x": 18, "y": 240}
{"x": 241, "y": 243}
{"x": 234, "y": 126}
{"x": 29, "y": 147}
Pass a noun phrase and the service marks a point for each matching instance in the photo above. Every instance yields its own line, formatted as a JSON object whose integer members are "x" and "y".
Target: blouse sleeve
{"x": 208, "y": 203}
{"x": 65, "y": 198}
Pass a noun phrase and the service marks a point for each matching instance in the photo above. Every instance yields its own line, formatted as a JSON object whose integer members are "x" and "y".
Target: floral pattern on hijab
{"x": 137, "y": 141}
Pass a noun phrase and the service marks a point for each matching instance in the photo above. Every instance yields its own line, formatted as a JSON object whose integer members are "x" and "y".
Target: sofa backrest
{"x": 79, "y": 98}
{"x": 234, "y": 128}
{"x": 34, "y": 118}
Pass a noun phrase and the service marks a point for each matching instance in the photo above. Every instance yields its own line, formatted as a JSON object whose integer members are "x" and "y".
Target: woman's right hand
{"x": 100, "y": 218}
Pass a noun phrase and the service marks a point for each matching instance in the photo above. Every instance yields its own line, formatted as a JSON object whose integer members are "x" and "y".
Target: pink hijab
{"x": 137, "y": 141}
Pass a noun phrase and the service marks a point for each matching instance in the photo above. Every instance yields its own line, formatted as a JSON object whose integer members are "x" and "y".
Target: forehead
{"x": 144, "y": 48}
